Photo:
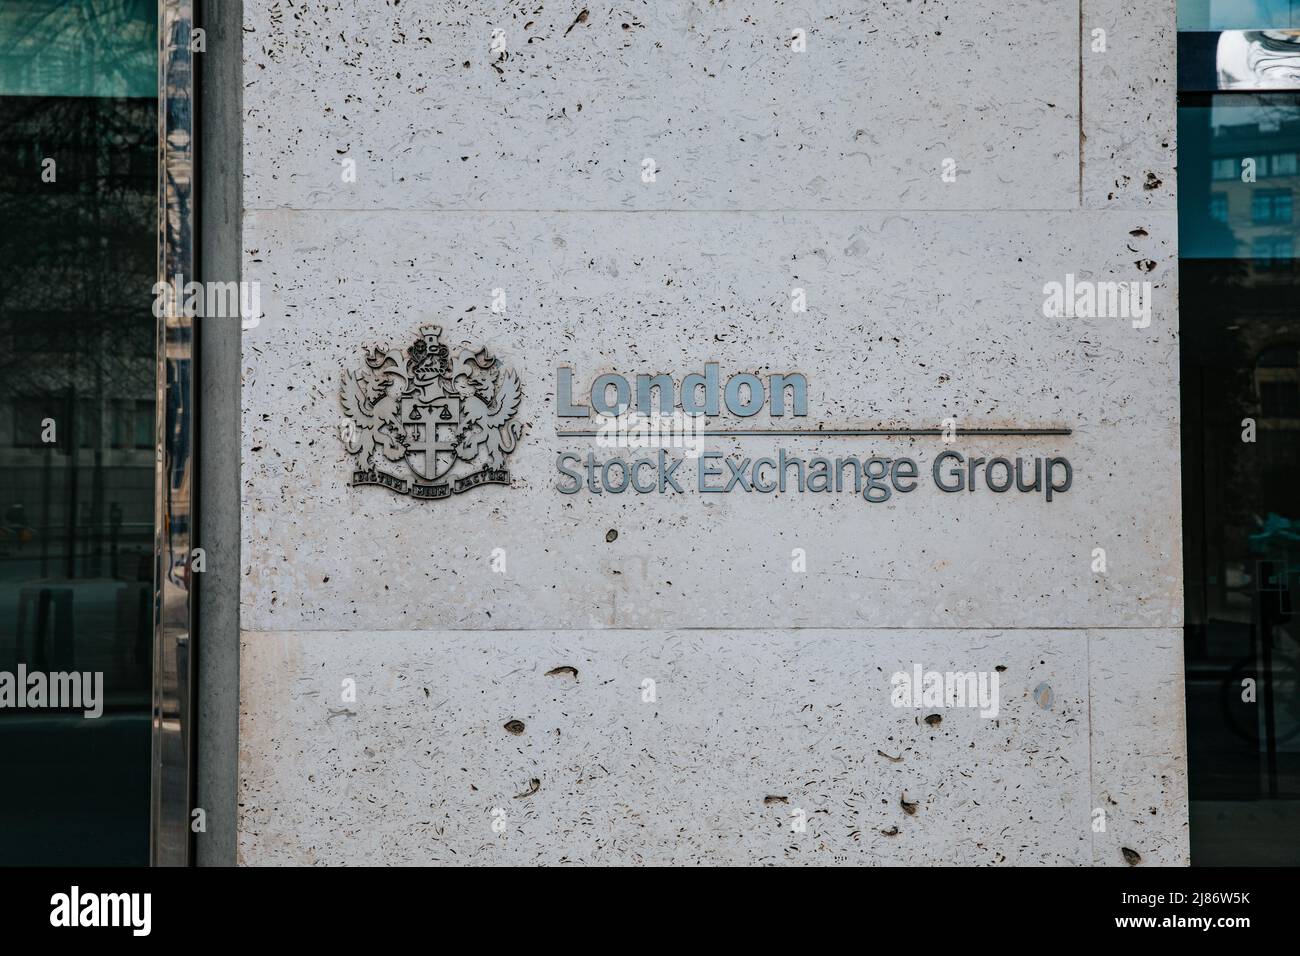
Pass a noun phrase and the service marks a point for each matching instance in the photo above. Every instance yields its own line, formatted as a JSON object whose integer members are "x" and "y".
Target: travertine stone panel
{"x": 730, "y": 114}
{"x": 1139, "y": 742}
{"x": 908, "y": 324}
{"x": 1129, "y": 105}
{"x": 745, "y": 728}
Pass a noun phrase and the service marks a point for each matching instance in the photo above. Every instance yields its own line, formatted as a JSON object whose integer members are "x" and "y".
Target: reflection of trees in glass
{"x": 82, "y": 248}
{"x": 103, "y": 48}
{"x": 78, "y": 86}
{"x": 1235, "y": 309}
{"x": 76, "y": 322}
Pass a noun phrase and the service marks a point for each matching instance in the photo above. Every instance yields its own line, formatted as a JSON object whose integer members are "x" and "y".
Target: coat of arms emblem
{"x": 430, "y": 423}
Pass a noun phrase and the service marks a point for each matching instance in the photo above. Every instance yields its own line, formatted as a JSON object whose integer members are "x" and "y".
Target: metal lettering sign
{"x": 677, "y": 426}
{"x": 430, "y": 424}
{"x": 445, "y": 423}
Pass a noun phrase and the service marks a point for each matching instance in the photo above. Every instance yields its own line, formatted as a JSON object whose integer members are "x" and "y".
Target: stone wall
{"x": 696, "y": 677}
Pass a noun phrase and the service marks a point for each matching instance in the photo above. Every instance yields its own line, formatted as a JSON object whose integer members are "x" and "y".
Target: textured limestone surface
{"x": 550, "y": 733}
{"x": 775, "y": 169}
{"x": 882, "y": 343}
{"x": 1129, "y": 107}
{"x": 1139, "y": 764}
{"x": 563, "y": 111}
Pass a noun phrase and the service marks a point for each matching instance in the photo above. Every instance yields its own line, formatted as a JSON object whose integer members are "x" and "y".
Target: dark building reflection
{"x": 77, "y": 363}
{"x": 1239, "y": 168}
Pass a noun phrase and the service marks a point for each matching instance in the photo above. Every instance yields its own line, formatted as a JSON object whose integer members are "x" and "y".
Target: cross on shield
{"x": 430, "y": 428}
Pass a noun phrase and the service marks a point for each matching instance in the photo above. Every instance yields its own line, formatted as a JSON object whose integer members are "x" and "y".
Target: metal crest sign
{"x": 429, "y": 423}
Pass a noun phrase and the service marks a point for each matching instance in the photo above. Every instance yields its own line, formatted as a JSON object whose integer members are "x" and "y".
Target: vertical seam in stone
{"x": 1079, "y": 54}
{"x": 1092, "y": 762}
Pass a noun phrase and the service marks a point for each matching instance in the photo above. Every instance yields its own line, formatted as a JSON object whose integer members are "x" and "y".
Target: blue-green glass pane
{"x": 100, "y": 48}
{"x": 1239, "y": 171}
{"x": 1238, "y": 14}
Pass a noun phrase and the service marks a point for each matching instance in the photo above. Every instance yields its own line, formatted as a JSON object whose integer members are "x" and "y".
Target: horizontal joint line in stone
{"x": 879, "y": 210}
{"x": 1173, "y": 629}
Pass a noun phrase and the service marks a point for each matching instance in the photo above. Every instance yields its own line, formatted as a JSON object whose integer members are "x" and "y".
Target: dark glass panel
{"x": 76, "y": 331}
{"x": 1240, "y": 328}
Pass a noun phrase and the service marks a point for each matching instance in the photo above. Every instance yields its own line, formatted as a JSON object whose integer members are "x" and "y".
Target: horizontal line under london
{"x": 845, "y": 432}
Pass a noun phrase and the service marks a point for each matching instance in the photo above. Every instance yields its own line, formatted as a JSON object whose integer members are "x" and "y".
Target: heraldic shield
{"x": 427, "y": 423}
{"x": 431, "y": 428}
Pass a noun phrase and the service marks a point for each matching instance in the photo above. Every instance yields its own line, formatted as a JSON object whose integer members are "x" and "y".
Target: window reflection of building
{"x": 78, "y": 185}
{"x": 1239, "y": 169}
{"x": 1276, "y": 397}
{"x": 1270, "y": 206}
{"x": 1254, "y": 172}
{"x": 1277, "y": 382}
{"x": 77, "y": 365}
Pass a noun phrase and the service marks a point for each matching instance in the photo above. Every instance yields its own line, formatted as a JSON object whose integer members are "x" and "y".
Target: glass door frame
{"x": 171, "y": 789}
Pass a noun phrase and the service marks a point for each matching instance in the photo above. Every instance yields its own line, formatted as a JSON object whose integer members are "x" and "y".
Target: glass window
{"x": 1237, "y": 14}
{"x": 1283, "y": 356}
{"x": 1219, "y": 207}
{"x": 28, "y": 417}
{"x": 78, "y": 87}
{"x": 1279, "y": 399}
{"x": 88, "y": 422}
{"x": 1270, "y": 206}
{"x": 1282, "y": 164}
{"x": 1277, "y": 375}
{"x": 1241, "y": 499}
{"x": 1270, "y": 252}
{"x": 144, "y": 436}
{"x": 1224, "y": 168}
